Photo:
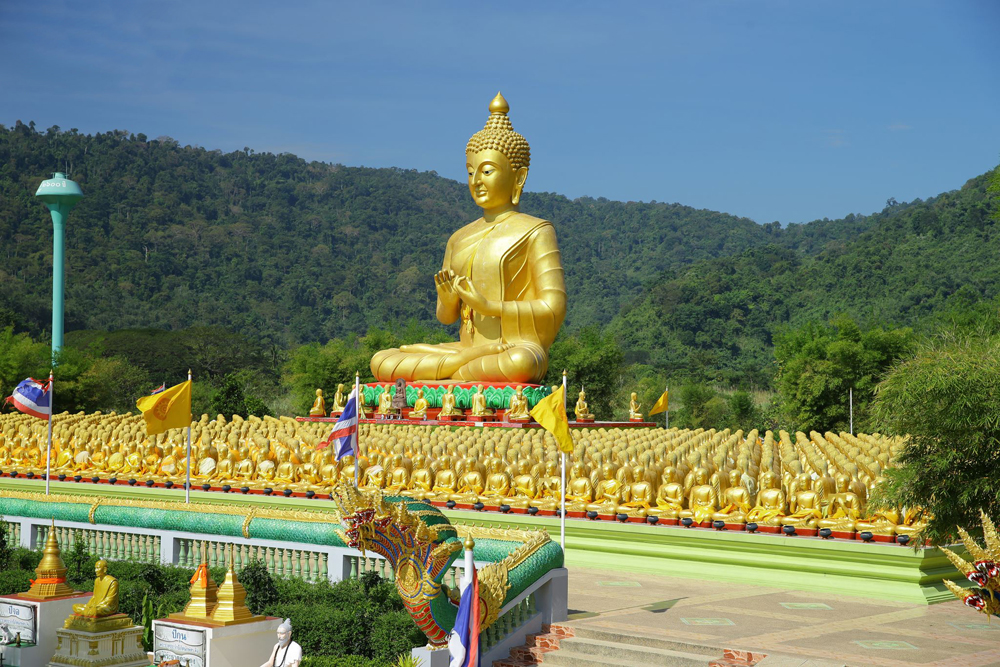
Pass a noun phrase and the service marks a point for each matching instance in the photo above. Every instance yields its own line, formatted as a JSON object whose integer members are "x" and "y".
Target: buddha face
{"x": 493, "y": 183}
{"x": 101, "y": 568}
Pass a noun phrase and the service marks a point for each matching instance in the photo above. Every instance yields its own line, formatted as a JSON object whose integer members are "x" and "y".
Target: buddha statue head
{"x": 497, "y": 160}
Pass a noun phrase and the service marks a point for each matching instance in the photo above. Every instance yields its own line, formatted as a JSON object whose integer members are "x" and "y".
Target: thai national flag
{"x": 463, "y": 645}
{"x": 32, "y": 398}
{"x": 345, "y": 431}
{"x": 161, "y": 388}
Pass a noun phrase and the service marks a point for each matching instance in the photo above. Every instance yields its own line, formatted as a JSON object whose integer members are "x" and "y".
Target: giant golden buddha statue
{"x": 502, "y": 277}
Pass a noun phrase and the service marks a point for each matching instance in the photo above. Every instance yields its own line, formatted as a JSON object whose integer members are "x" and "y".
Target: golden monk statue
{"x": 502, "y": 277}
{"x": 582, "y": 413}
{"x": 384, "y": 402}
{"x": 518, "y": 409}
{"x": 633, "y": 408}
{"x": 479, "y": 408}
{"x": 419, "y": 410}
{"x": 319, "y": 405}
{"x": 339, "y": 401}
{"x": 448, "y": 408}
{"x": 105, "y": 599}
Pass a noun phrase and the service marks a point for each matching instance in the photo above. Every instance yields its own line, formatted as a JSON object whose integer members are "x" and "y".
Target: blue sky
{"x": 785, "y": 111}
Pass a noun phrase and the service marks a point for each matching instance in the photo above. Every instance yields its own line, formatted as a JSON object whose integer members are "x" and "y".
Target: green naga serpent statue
{"x": 421, "y": 544}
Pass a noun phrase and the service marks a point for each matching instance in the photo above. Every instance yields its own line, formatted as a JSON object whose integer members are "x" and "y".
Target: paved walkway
{"x": 846, "y": 629}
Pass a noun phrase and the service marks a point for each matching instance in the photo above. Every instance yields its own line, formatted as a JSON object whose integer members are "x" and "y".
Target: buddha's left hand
{"x": 469, "y": 295}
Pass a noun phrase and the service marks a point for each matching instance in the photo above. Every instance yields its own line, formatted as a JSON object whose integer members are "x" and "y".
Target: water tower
{"x": 60, "y": 194}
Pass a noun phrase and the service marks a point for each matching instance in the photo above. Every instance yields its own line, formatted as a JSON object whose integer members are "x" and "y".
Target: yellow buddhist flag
{"x": 660, "y": 405}
{"x": 550, "y": 413}
{"x": 168, "y": 409}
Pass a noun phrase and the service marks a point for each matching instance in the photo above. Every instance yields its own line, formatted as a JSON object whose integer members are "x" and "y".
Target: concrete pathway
{"x": 842, "y": 629}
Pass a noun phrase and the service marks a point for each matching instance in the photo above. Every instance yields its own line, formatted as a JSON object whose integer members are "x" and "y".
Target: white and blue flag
{"x": 32, "y": 398}
{"x": 345, "y": 431}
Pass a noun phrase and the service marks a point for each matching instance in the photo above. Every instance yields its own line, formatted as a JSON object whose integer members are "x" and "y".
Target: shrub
{"x": 947, "y": 398}
{"x": 262, "y": 593}
{"x": 14, "y": 581}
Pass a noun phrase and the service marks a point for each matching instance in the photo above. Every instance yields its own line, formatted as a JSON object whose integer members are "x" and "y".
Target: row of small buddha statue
{"x": 517, "y": 407}
{"x": 817, "y": 481}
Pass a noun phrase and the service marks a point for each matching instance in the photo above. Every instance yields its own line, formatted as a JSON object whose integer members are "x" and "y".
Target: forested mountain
{"x": 715, "y": 320}
{"x": 290, "y": 251}
{"x": 286, "y": 252}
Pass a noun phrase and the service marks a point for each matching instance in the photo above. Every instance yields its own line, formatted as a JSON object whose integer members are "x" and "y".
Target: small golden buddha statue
{"x": 735, "y": 500}
{"x": 804, "y": 504}
{"x": 319, "y": 405}
{"x": 703, "y": 501}
{"x": 471, "y": 484}
{"x": 339, "y": 401}
{"x": 518, "y": 408}
{"x": 286, "y": 473}
{"x": 582, "y": 413}
{"x": 770, "y": 506}
{"x": 844, "y": 508}
{"x": 420, "y": 406}
{"x": 498, "y": 484}
{"x": 669, "y": 496}
{"x": 445, "y": 481}
{"x": 422, "y": 479}
{"x": 633, "y": 408}
{"x": 640, "y": 495}
{"x": 448, "y": 408}
{"x": 525, "y": 486}
{"x": 502, "y": 277}
{"x": 579, "y": 490}
{"x": 399, "y": 477}
{"x": 550, "y": 482}
{"x": 479, "y": 408}
{"x": 105, "y": 599}
{"x": 608, "y": 492}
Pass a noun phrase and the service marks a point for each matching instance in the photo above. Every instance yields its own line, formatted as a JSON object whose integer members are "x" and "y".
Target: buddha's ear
{"x": 519, "y": 178}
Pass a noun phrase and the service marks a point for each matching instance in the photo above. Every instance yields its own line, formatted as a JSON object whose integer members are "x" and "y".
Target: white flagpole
{"x": 357, "y": 433}
{"x": 48, "y": 456}
{"x": 562, "y": 488}
{"x": 850, "y": 398}
{"x": 666, "y": 390}
{"x": 187, "y": 487}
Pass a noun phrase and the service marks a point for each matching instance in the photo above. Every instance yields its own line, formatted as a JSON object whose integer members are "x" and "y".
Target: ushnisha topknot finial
{"x": 499, "y": 105}
{"x": 498, "y": 134}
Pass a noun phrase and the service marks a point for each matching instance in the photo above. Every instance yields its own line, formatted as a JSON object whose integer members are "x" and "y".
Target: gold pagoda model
{"x": 50, "y": 575}
{"x": 216, "y": 606}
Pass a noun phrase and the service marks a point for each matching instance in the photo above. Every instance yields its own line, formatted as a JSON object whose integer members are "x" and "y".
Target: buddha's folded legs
{"x": 523, "y": 362}
{"x": 495, "y": 362}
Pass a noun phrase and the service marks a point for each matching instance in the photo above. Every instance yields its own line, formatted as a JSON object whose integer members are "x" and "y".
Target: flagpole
{"x": 357, "y": 433}
{"x": 48, "y": 456}
{"x": 666, "y": 391}
{"x": 850, "y": 398}
{"x": 187, "y": 487}
{"x": 562, "y": 488}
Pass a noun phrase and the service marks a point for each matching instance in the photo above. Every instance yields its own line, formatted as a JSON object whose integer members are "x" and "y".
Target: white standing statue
{"x": 286, "y": 653}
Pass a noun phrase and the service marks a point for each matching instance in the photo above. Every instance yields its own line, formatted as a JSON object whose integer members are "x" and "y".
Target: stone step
{"x": 582, "y": 652}
{"x": 649, "y": 641}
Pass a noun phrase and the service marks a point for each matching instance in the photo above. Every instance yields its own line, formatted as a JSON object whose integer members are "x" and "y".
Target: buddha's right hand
{"x": 444, "y": 281}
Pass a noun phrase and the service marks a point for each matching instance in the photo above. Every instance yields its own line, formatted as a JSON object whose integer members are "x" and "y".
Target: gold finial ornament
{"x": 469, "y": 542}
{"x": 499, "y": 105}
{"x": 50, "y": 575}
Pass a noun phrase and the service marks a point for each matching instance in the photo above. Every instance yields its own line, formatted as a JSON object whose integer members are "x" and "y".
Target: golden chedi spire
{"x": 232, "y": 609}
{"x": 203, "y": 592}
{"x": 50, "y": 575}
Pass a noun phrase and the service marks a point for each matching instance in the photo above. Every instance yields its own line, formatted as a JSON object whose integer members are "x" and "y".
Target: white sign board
{"x": 183, "y": 643}
{"x": 17, "y": 618}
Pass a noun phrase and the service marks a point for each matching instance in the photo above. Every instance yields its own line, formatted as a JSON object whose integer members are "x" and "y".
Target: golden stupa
{"x": 50, "y": 575}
